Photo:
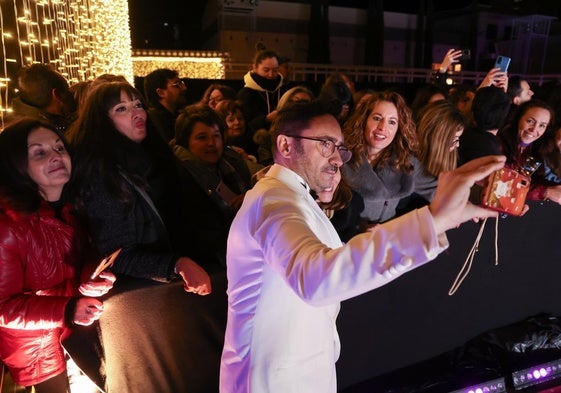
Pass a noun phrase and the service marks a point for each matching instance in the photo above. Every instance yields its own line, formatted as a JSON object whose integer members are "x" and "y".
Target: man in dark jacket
{"x": 490, "y": 109}
{"x": 166, "y": 95}
{"x": 43, "y": 93}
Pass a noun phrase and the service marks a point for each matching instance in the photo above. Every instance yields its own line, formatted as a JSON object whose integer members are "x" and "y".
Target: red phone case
{"x": 506, "y": 191}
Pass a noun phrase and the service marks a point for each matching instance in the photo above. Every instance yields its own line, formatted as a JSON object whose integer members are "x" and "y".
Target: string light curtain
{"x": 189, "y": 64}
{"x": 80, "y": 38}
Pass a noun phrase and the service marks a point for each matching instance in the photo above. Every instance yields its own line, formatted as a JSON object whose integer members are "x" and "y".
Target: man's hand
{"x": 450, "y": 206}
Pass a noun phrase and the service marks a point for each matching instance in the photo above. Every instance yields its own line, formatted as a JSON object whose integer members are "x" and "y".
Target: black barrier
{"x": 413, "y": 318}
{"x": 159, "y": 338}
{"x": 398, "y": 325}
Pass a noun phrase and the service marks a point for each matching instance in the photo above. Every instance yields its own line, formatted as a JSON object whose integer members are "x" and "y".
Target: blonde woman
{"x": 439, "y": 129}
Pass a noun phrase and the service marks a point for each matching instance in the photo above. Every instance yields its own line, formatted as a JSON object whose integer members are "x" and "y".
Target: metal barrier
{"x": 368, "y": 74}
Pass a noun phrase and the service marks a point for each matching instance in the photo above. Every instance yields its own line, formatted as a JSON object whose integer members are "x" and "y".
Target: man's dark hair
{"x": 157, "y": 79}
{"x": 36, "y": 82}
{"x": 490, "y": 107}
{"x": 295, "y": 118}
{"x": 514, "y": 86}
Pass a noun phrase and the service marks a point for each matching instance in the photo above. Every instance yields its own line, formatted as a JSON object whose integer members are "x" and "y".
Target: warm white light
{"x": 188, "y": 67}
{"x": 189, "y": 64}
{"x": 81, "y": 38}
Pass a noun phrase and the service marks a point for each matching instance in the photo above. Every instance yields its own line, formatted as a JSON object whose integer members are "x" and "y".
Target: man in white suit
{"x": 288, "y": 270}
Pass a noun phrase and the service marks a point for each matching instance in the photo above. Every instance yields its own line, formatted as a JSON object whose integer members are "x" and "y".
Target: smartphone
{"x": 466, "y": 55}
{"x": 105, "y": 263}
{"x": 502, "y": 62}
{"x": 506, "y": 191}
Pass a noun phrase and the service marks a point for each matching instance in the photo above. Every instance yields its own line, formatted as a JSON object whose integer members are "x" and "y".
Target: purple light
{"x": 539, "y": 373}
{"x": 488, "y": 387}
{"x": 536, "y": 375}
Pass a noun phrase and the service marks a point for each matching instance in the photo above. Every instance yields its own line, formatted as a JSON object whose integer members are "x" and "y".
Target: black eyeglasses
{"x": 326, "y": 147}
{"x": 178, "y": 84}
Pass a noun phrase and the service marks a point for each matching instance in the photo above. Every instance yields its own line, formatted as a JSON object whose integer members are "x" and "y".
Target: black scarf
{"x": 265, "y": 83}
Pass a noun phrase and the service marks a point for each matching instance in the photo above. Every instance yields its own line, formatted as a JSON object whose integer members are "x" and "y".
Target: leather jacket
{"x": 38, "y": 265}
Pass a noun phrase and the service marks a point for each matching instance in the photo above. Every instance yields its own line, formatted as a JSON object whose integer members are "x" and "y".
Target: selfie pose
{"x": 288, "y": 269}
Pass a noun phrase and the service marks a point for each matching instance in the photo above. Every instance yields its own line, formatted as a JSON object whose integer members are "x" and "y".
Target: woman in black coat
{"x": 136, "y": 196}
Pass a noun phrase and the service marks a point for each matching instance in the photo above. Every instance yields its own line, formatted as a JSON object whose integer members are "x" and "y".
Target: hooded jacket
{"x": 38, "y": 277}
{"x": 22, "y": 109}
{"x": 259, "y": 97}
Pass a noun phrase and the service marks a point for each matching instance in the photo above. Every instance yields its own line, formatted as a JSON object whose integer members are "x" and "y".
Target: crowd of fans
{"x": 102, "y": 165}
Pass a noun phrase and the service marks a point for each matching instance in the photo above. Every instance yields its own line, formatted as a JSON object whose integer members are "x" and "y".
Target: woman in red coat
{"x": 41, "y": 250}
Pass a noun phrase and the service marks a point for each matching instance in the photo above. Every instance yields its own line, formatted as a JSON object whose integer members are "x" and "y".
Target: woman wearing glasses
{"x": 216, "y": 93}
{"x": 384, "y": 169}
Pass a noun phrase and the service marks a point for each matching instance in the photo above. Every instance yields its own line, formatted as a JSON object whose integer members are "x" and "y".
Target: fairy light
{"x": 83, "y": 39}
{"x": 80, "y": 38}
{"x": 189, "y": 64}
{"x": 113, "y": 54}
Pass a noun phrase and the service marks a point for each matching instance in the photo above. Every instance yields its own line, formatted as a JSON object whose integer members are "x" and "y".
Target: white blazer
{"x": 287, "y": 274}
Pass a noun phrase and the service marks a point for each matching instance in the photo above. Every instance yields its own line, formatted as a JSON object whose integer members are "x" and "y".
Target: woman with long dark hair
{"x": 136, "y": 195}
{"x": 128, "y": 184}
{"x": 526, "y": 137}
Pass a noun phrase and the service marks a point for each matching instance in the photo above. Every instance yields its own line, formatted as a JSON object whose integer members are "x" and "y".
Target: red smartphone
{"x": 506, "y": 191}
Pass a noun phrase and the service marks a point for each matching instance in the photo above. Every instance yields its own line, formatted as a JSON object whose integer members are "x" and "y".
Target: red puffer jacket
{"x": 39, "y": 254}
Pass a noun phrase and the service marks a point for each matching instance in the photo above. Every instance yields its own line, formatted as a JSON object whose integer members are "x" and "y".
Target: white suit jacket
{"x": 287, "y": 273}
